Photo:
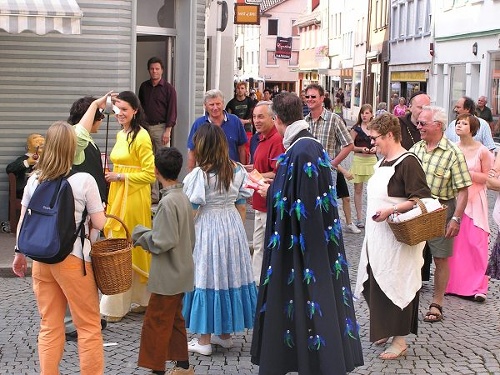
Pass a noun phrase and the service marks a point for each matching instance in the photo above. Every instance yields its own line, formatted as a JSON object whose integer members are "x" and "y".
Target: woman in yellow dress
{"x": 130, "y": 199}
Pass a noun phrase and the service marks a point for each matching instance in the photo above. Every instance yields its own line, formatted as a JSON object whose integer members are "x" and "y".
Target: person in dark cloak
{"x": 305, "y": 319}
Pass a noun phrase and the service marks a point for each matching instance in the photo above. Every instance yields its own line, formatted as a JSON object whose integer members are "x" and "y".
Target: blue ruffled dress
{"x": 225, "y": 295}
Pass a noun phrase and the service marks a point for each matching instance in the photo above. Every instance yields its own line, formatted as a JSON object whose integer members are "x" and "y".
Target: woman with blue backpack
{"x": 68, "y": 281}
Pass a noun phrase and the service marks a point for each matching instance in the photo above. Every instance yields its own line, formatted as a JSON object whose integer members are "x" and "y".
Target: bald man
{"x": 409, "y": 132}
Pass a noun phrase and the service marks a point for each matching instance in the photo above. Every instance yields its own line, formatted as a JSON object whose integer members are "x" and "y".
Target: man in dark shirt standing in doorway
{"x": 159, "y": 101}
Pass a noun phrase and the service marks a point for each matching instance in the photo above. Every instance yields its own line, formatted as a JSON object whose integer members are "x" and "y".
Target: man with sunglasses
{"x": 448, "y": 178}
{"x": 329, "y": 128}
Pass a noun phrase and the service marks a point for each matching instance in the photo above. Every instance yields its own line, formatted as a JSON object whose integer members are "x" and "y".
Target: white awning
{"x": 40, "y": 16}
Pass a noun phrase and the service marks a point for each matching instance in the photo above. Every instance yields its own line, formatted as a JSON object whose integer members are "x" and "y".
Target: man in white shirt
{"x": 467, "y": 105}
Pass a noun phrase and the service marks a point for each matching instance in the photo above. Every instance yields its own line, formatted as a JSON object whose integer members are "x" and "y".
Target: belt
{"x": 158, "y": 123}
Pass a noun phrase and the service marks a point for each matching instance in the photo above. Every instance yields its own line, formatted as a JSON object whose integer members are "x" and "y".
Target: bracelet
{"x": 395, "y": 209}
{"x": 119, "y": 176}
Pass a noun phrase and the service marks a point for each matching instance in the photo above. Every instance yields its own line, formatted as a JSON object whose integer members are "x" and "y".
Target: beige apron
{"x": 394, "y": 265}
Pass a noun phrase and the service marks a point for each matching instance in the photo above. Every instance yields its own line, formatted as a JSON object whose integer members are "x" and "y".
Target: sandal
{"x": 381, "y": 341}
{"x": 432, "y": 317}
{"x": 393, "y": 352}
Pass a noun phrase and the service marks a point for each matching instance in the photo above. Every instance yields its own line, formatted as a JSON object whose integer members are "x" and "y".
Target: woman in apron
{"x": 389, "y": 271}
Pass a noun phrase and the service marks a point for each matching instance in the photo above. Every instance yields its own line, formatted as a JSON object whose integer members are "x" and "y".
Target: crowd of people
{"x": 193, "y": 270}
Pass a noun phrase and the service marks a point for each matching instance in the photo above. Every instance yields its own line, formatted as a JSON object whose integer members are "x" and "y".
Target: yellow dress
{"x": 130, "y": 200}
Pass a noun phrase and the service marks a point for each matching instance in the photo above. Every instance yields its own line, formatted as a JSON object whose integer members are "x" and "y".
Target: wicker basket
{"x": 421, "y": 228}
{"x": 112, "y": 263}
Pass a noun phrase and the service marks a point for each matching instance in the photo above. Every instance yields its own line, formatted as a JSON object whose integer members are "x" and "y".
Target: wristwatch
{"x": 119, "y": 176}
{"x": 457, "y": 219}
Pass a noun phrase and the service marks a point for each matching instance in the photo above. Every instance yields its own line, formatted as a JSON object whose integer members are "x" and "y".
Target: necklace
{"x": 409, "y": 132}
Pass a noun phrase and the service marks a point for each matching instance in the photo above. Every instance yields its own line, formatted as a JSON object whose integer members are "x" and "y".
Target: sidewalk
{"x": 466, "y": 342}
{"x": 7, "y": 243}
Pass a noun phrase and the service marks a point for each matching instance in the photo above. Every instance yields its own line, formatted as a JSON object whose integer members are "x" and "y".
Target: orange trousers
{"x": 163, "y": 336}
{"x": 56, "y": 286}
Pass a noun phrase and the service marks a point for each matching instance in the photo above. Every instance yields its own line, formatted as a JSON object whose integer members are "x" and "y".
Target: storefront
{"x": 405, "y": 84}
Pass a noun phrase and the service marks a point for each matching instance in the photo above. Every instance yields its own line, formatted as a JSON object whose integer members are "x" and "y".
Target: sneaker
{"x": 113, "y": 319}
{"x": 352, "y": 228}
{"x": 195, "y": 347}
{"x": 480, "y": 297}
{"x": 216, "y": 340}
{"x": 181, "y": 371}
{"x": 138, "y": 309}
{"x": 360, "y": 224}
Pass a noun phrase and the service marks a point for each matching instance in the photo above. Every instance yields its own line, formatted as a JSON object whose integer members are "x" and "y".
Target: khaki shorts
{"x": 442, "y": 247}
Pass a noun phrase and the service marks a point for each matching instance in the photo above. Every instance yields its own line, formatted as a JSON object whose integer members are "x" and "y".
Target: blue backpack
{"x": 48, "y": 231}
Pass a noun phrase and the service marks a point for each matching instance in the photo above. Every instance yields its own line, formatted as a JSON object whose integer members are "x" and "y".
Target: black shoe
{"x": 73, "y": 336}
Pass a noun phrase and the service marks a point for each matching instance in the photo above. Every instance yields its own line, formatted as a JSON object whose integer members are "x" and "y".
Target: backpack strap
{"x": 81, "y": 227}
{"x": 81, "y": 230}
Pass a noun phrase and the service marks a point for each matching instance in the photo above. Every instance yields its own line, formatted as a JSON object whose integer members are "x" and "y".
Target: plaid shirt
{"x": 331, "y": 131}
{"x": 445, "y": 168}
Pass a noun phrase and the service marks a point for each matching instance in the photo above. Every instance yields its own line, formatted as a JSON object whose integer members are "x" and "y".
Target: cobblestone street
{"x": 466, "y": 342}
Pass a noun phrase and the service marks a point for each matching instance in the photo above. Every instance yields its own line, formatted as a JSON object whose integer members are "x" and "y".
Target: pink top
{"x": 477, "y": 203}
{"x": 399, "y": 110}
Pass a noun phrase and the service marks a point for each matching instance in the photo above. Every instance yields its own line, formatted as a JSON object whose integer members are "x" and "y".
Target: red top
{"x": 266, "y": 153}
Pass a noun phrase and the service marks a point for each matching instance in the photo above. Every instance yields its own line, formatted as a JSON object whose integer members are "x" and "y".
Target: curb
{"x": 6, "y": 271}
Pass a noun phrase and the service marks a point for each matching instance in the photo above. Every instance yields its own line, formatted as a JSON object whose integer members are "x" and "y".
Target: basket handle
{"x": 420, "y": 204}
{"x": 109, "y": 216}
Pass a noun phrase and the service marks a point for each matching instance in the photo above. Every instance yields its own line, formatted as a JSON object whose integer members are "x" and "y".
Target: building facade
{"x": 411, "y": 48}
{"x": 466, "y": 53}
{"x": 102, "y": 46}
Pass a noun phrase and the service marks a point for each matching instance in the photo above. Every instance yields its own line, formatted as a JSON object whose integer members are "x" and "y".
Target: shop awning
{"x": 40, "y": 16}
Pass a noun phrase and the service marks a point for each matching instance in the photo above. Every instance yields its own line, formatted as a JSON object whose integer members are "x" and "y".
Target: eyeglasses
{"x": 310, "y": 96}
{"x": 375, "y": 138}
{"x": 423, "y": 123}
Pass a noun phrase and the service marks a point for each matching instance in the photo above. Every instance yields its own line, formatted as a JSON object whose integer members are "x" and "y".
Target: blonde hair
{"x": 59, "y": 153}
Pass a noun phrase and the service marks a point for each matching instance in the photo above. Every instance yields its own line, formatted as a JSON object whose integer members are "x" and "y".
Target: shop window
{"x": 357, "y": 89}
{"x": 494, "y": 97}
{"x": 457, "y": 89}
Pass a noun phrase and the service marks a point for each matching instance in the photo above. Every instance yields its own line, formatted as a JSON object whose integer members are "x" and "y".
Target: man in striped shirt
{"x": 448, "y": 178}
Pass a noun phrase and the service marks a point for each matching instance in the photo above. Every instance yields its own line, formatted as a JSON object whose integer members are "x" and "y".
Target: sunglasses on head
{"x": 100, "y": 116}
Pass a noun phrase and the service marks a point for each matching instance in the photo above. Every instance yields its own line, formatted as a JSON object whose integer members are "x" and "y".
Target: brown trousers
{"x": 163, "y": 336}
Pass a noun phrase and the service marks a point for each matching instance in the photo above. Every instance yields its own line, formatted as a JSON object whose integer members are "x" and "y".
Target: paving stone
{"x": 466, "y": 342}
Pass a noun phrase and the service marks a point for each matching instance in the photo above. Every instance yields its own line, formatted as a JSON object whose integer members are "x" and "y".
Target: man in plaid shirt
{"x": 330, "y": 130}
{"x": 448, "y": 178}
